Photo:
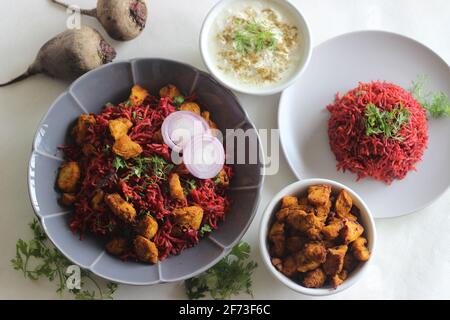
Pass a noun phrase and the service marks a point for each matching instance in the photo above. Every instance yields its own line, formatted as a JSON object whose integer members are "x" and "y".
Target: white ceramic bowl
{"x": 209, "y": 60}
{"x": 299, "y": 188}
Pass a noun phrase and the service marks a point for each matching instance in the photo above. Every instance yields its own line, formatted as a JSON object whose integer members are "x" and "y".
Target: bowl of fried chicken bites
{"x": 317, "y": 237}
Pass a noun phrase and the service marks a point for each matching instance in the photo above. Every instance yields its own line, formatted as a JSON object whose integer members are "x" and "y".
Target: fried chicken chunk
{"x": 343, "y": 206}
{"x": 332, "y": 230}
{"x": 97, "y": 200}
{"x": 169, "y": 91}
{"x": 304, "y": 222}
{"x": 295, "y": 244}
{"x": 189, "y": 216}
{"x": 304, "y": 264}
{"x": 351, "y": 231}
{"x": 334, "y": 262}
{"x": 138, "y": 95}
{"x": 319, "y": 195}
{"x": 68, "y": 177}
{"x": 359, "y": 249}
{"x": 339, "y": 278}
{"x": 122, "y": 209}
{"x": 67, "y": 199}
{"x": 315, "y": 251}
{"x": 191, "y": 106}
{"x": 288, "y": 202}
{"x": 117, "y": 246}
{"x": 127, "y": 148}
{"x": 314, "y": 279}
{"x": 175, "y": 188}
{"x": 277, "y": 237}
{"x": 289, "y": 268}
{"x": 81, "y": 129}
{"x": 119, "y": 127}
{"x": 207, "y": 116}
{"x": 145, "y": 250}
{"x": 147, "y": 227}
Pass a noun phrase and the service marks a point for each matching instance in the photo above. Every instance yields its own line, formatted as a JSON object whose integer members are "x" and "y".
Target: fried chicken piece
{"x": 303, "y": 201}
{"x": 145, "y": 250}
{"x": 322, "y": 212}
{"x": 350, "y": 262}
{"x": 222, "y": 179}
{"x": 277, "y": 263}
{"x": 97, "y": 200}
{"x": 117, "y": 246}
{"x": 81, "y": 129}
{"x": 334, "y": 262}
{"x": 189, "y": 216}
{"x": 147, "y": 227}
{"x": 359, "y": 249}
{"x": 67, "y": 199}
{"x": 351, "y": 231}
{"x": 207, "y": 116}
{"x": 289, "y": 201}
{"x": 343, "y": 205}
{"x": 315, "y": 251}
{"x": 277, "y": 237}
{"x": 169, "y": 91}
{"x": 175, "y": 188}
{"x": 314, "y": 279}
{"x": 295, "y": 244}
{"x": 338, "y": 279}
{"x": 333, "y": 229}
{"x": 289, "y": 267}
{"x": 68, "y": 177}
{"x": 304, "y": 222}
{"x": 122, "y": 209}
{"x": 191, "y": 106}
{"x": 127, "y": 148}
{"x": 282, "y": 214}
{"x": 138, "y": 95}
{"x": 88, "y": 150}
{"x": 304, "y": 264}
{"x": 319, "y": 195}
{"x": 119, "y": 127}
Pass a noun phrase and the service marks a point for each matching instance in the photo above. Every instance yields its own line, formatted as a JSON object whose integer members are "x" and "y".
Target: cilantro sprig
{"x": 388, "y": 123}
{"x": 253, "y": 37}
{"x": 231, "y": 276}
{"x": 38, "y": 259}
{"x": 436, "y": 103}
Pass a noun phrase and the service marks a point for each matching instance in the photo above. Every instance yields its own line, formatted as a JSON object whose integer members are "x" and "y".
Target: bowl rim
{"x": 276, "y": 88}
{"x": 268, "y": 213}
{"x": 37, "y": 212}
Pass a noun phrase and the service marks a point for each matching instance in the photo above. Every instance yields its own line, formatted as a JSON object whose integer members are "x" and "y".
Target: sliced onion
{"x": 204, "y": 156}
{"x": 180, "y": 127}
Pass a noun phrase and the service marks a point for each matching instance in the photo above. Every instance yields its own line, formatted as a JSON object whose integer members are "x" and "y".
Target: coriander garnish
{"x": 37, "y": 259}
{"x": 436, "y": 103}
{"x": 231, "y": 276}
{"x": 388, "y": 123}
{"x": 253, "y": 37}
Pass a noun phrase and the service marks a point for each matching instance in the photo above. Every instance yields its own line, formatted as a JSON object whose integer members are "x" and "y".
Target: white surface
{"x": 413, "y": 259}
{"x": 337, "y": 66}
{"x": 299, "y": 189}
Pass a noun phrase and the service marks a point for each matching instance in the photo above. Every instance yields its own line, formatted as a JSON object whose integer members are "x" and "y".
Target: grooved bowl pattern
{"x": 112, "y": 83}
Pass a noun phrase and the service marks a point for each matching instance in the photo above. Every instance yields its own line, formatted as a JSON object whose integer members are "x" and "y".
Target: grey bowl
{"x": 112, "y": 83}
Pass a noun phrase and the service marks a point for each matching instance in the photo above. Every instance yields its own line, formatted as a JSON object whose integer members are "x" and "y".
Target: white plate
{"x": 337, "y": 66}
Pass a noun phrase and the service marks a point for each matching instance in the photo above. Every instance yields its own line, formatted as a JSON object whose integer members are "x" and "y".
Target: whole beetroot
{"x": 123, "y": 20}
{"x": 69, "y": 55}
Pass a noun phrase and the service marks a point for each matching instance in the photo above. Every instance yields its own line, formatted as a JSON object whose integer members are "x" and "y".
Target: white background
{"x": 413, "y": 258}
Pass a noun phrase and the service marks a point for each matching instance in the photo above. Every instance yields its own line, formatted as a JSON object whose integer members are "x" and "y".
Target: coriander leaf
{"x": 205, "y": 229}
{"x": 178, "y": 100}
{"x": 253, "y": 37}
{"x": 231, "y": 276}
{"x": 37, "y": 258}
{"x": 436, "y": 103}
{"x": 119, "y": 163}
{"x": 388, "y": 123}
